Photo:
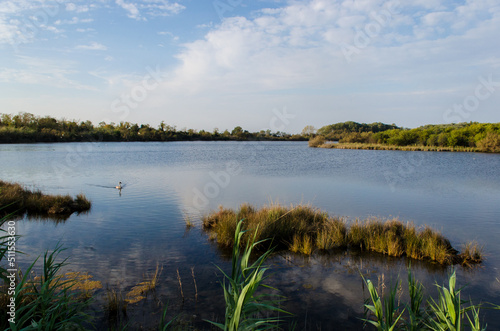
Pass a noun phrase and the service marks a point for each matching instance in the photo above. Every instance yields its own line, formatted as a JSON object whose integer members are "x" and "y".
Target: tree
{"x": 237, "y": 131}
{"x": 491, "y": 143}
{"x": 308, "y": 130}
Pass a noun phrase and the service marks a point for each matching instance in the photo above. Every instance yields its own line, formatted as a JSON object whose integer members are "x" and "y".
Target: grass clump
{"x": 33, "y": 202}
{"x": 287, "y": 226}
{"x": 304, "y": 229}
{"x": 472, "y": 253}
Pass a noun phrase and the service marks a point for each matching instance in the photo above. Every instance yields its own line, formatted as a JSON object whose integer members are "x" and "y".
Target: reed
{"x": 180, "y": 283}
{"x": 304, "y": 229}
{"x": 195, "y": 286}
{"x": 19, "y": 199}
{"x": 446, "y": 312}
{"x": 244, "y": 307}
{"x": 49, "y": 301}
{"x": 385, "y": 310}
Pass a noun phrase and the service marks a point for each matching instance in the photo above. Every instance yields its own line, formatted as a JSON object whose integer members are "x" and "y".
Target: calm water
{"x": 125, "y": 236}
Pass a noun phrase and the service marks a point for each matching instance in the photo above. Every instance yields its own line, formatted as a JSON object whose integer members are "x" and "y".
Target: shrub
{"x": 316, "y": 141}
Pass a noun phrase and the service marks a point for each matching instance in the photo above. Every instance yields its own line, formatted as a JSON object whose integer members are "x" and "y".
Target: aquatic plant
{"x": 137, "y": 292}
{"x": 48, "y": 302}
{"x": 385, "y": 310}
{"x": 244, "y": 308}
{"x": 446, "y": 312}
{"x": 304, "y": 229}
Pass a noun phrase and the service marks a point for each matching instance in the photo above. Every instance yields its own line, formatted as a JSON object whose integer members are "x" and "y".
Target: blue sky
{"x": 263, "y": 64}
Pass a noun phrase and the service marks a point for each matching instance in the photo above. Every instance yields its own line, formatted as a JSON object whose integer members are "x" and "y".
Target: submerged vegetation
{"x": 28, "y": 128}
{"x": 304, "y": 229}
{"x": 18, "y": 199}
{"x": 462, "y": 137}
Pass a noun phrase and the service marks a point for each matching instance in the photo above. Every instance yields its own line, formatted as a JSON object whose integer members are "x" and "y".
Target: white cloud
{"x": 42, "y": 72}
{"x": 150, "y": 8}
{"x": 74, "y": 20}
{"x": 94, "y": 46}
{"x": 131, "y": 8}
{"x": 79, "y": 9}
{"x": 416, "y": 53}
{"x": 81, "y": 30}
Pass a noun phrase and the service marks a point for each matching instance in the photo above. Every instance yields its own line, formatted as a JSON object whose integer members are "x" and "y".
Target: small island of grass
{"x": 304, "y": 229}
{"x": 15, "y": 198}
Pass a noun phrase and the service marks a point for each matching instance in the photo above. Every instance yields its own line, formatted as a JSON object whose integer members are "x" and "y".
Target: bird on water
{"x": 119, "y": 186}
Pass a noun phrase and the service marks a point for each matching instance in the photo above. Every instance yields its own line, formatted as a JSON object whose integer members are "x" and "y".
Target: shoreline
{"x": 381, "y": 147}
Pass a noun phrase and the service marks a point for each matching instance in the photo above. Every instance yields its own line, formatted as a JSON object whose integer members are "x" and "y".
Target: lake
{"x": 127, "y": 233}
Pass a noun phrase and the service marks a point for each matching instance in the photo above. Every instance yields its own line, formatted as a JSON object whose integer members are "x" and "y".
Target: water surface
{"x": 127, "y": 233}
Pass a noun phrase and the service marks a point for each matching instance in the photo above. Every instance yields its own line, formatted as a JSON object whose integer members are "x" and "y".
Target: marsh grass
{"x": 378, "y": 147}
{"x": 275, "y": 221}
{"x": 304, "y": 229}
{"x": 34, "y": 202}
{"x": 472, "y": 253}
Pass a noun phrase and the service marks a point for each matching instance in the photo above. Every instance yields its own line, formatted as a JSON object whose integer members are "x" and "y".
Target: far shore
{"x": 380, "y": 147}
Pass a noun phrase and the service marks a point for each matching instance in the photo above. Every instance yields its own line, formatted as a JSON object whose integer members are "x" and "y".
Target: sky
{"x": 262, "y": 64}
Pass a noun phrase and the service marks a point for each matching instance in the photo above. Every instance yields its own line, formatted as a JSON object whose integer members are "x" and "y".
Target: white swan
{"x": 119, "y": 186}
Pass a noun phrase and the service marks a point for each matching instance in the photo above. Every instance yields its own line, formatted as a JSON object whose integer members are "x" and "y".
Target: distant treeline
{"x": 28, "y": 128}
{"x": 483, "y": 136}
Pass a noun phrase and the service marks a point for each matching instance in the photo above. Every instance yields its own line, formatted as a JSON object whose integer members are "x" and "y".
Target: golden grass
{"x": 472, "y": 253}
{"x": 34, "y": 202}
{"x": 304, "y": 229}
{"x": 397, "y": 148}
{"x": 274, "y": 221}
